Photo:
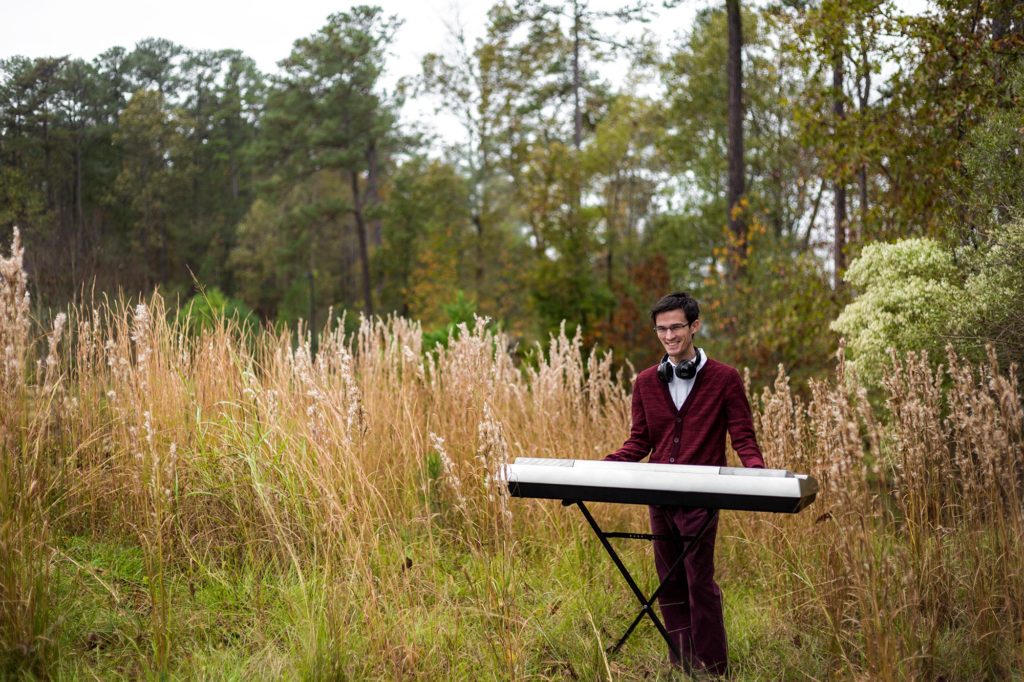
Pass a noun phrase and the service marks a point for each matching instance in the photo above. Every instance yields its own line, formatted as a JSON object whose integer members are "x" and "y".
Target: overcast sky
{"x": 261, "y": 29}
{"x": 265, "y": 30}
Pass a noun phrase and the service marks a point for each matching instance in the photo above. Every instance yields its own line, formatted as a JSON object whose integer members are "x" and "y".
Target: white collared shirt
{"x": 680, "y": 388}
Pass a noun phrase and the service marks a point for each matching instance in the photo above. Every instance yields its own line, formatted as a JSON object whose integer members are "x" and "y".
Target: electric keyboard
{"x": 682, "y": 485}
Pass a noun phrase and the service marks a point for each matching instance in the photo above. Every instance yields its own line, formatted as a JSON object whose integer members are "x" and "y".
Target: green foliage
{"x": 327, "y": 123}
{"x": 569, "y": 197}
{"x": 990, "y": 184}
{"x": 20, "y": 204}
{"x": 777, "y": 313}
{"x": 205, "y": 310}
{"x": 780, "y": 173}
{"x": 260, "y": 259}
{"x": 907, "y": 301}
{"x": 477, "y": 84}
{"x": 958, "y": 63}
{"x": 427, "y": 252}
{"x": 916, "y": 294}
{"x": 461, "y": 313}
{"x": 568, "y": 289}
{"x": 991, "y": 307}
{"x": 128, "y": 171}
{"x": 153, "y": 182}
{"x": 433, "y": 465}
{"x": 281, "y": 244}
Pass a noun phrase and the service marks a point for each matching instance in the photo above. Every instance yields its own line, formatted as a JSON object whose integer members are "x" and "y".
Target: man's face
{"x": 676, "y": 334}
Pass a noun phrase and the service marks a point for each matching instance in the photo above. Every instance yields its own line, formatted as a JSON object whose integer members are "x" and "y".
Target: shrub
{"x": 907, "y": 300}
{"x": 991, "y": 309}
{"x": 203, "y": 311}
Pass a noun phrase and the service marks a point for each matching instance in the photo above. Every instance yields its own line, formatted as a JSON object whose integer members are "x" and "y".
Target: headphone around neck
{"x": 687, "y": 369}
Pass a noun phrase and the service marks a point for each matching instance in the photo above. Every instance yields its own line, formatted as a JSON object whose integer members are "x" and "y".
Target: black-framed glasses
{"x": 675, "y": 329}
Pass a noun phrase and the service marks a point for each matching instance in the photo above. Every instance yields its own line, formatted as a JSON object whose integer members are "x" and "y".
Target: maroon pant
{"x": 691, "y": 603}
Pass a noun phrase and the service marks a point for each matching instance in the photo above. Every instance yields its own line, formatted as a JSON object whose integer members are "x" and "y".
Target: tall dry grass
{"x": 364, "y": 473}
{"x": 912, "y": 558}
{"x": 33, "y": 405}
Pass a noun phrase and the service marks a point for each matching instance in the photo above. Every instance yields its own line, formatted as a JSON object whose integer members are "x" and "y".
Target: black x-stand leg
{"x": 646, "y": 603}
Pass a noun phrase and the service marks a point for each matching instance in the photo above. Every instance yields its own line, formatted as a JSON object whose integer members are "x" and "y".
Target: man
{"x": 682, "y": 409}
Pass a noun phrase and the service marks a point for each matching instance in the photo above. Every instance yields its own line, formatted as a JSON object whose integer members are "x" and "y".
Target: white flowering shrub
{"x": 907, "y": 299}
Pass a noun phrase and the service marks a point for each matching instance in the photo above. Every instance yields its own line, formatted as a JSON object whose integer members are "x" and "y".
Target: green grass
{"x": 219, "y": 628}
{"x": 444, "y": 611}
{"x": 540, "y": 612}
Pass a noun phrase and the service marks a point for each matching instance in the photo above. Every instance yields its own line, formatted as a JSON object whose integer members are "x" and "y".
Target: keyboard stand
{"x": 688, "y": 542}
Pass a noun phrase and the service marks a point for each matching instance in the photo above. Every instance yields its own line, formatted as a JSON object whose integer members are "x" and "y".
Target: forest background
{"x": 284, "y": 464}
{"x": 566, "y": 197}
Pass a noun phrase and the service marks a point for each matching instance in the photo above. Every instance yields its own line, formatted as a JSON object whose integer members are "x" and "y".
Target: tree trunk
{"x": 78, "y": 249}
{"x": 197, "y": 162}
{"x": 364, "y": 251}
{"x": 734, "y": 68}
{"x": 865, "y": 95}
{"x": 482, "y": 214}
{"x": 814, "y": 215}
{"x": 478, "y": 271}
{"x": 372, "y": 192}
{"x": 577, "y": 131}
{"x": 311, "y": 279}
{"x": 50, "y": 201}
{"x": 839, "y": 261}
{"x": 577, "y": 123}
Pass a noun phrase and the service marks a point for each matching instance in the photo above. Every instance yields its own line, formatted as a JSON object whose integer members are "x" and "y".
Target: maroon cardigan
{"x": 694, "y": 434}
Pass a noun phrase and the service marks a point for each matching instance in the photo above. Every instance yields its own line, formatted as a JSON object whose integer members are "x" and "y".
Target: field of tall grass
{"x": 232, "y": 505}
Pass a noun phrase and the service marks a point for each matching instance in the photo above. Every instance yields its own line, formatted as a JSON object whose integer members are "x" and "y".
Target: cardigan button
{"x": 675, "y": 440}
{"x": 671, "y": 459}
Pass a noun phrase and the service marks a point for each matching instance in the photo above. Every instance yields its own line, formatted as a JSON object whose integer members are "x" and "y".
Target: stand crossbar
{"x": 688, "y": 543}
